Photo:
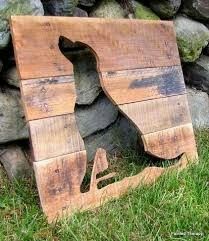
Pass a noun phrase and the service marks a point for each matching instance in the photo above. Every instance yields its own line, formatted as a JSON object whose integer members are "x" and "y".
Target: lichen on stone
{"x": 108, "y": 9}
{"x": 20, "y": 7}
{"x": 192, "y": 37}
{"x": 143, "y": 12}
{"x": 165, "y": 8}
{"x": 16, "y": 7}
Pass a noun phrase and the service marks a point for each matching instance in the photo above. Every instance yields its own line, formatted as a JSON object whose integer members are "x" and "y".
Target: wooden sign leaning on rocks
{"x": 140, "y": 72}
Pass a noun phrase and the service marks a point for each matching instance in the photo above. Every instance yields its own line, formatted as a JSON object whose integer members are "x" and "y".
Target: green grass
{"x": 175, "y": 208}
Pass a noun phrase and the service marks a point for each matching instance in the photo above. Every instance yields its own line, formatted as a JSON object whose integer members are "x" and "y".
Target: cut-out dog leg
{"x": 100, "y": 165}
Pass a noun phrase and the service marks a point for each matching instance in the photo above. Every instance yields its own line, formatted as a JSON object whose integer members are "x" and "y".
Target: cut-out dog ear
{"x": 140, "y": 72}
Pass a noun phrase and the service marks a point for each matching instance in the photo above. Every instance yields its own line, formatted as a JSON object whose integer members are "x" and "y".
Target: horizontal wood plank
{"x": 129, "y": 86}
{"x": 170, "y": 143}
{"x": 55, "y": 136}
{"x": 158, "y": 114}
{"x": 118, "y": 44}
{"x": 48, "y": 97}
{"x": 60, "y": 178}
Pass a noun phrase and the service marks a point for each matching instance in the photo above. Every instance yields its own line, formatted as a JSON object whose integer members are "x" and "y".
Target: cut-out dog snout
{"x": 140, "y": 72}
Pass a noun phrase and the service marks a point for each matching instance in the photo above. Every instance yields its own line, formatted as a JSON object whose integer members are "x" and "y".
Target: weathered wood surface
{"x": 118, "y": 45}
{"x": 48, "y": 97}
{"x": 158, "y": 114}
{"x": 60, "y": 194}
{"x": 170, "y": 143}
{"x": 60, "y": 178}
{"x": 143, "y": 84}
{"x": 99, "y": 166}
{"x": 55, "y": 136}
{"x": 54, "y": 96}
{"x": 140, "y": 72}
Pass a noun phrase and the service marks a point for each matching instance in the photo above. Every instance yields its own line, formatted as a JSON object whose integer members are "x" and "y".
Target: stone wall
{"x": 100, "y": 123}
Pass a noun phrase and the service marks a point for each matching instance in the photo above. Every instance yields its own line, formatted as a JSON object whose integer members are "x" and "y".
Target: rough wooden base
{"x": 57, "y": 204}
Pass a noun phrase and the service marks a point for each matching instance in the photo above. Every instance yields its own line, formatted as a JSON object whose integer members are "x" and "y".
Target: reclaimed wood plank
{"x": 60, "y": 178}
{"x": 158, "y": 114}
{"x": 140, "y": 71}
{"x": 170, "y": 143}
{"x": 129, "y": 86}
{"x": 117, "y": 44}
{"x": 55, "y": 136}
{"x": 99, "y": 166}
{"x": 48, "y": 97}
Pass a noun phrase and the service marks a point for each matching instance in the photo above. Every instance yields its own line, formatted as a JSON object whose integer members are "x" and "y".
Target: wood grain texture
{"x": 117, "y": 44}
{"x": 139, "y": 68}
{"x": 60, "y": 178}
{"x": 158, "y": 114}
{"x": 59, "y": 190}
{"x": 48, "y": 97}
{"x": 99, "y": 166}
{"x": 170, "y": 143}
{"x": 129, "y": 86}
{"x": 55, "y": 136}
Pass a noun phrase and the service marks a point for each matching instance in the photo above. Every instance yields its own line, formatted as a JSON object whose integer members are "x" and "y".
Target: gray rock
{"x": 206, "y": 50}
{"x": 15, "y": 162}
{"x": 108, "y": 9}
{"x": 197, "y": 74}
{"x": 198, "y": 9}
{"x": 165, "y": 8}
{"x": 11, "y": 77}
{"x": 2, "y": 175}
{"x": 1, "y": 65}
{"x": 79, "y": 13}
{"x": 16, "y": 7}
{"x": 192, "y": 37}
{"x": 86, "y": 77}
{"x": 143, "y": 12}
{"x": 60, "y": 7}
{"x": 4, "y": 36}
{"x": 119, "y": 136}
{"x": 199, "y": 108}
{"x": 12, "y": 123}
{"x": 96, "y": 117}
{"x": 127, "y": 134}
{"x": 87, "y": 3}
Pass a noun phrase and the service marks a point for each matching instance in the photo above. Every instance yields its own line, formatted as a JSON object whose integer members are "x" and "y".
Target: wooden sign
{"x": 140, "y": 72}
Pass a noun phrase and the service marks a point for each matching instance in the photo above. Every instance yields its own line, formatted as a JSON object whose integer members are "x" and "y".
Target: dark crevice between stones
{"x": 118, "y": 136}
{"x": 196, "y": 75}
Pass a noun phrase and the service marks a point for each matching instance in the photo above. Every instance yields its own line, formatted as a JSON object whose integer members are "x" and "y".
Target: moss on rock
{"x": 165, "y": 8}
{"x": 108, "y": 9}
{"x": 192, "y": 37}
{"x": 16, "y": 7}
{"x": 143, "y": 12}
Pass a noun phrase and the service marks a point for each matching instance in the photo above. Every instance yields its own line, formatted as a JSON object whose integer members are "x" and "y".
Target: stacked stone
{"x": 99, "y": 122}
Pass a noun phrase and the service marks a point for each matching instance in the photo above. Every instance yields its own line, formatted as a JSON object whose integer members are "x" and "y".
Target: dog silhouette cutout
{"x": 140, "y": 72}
